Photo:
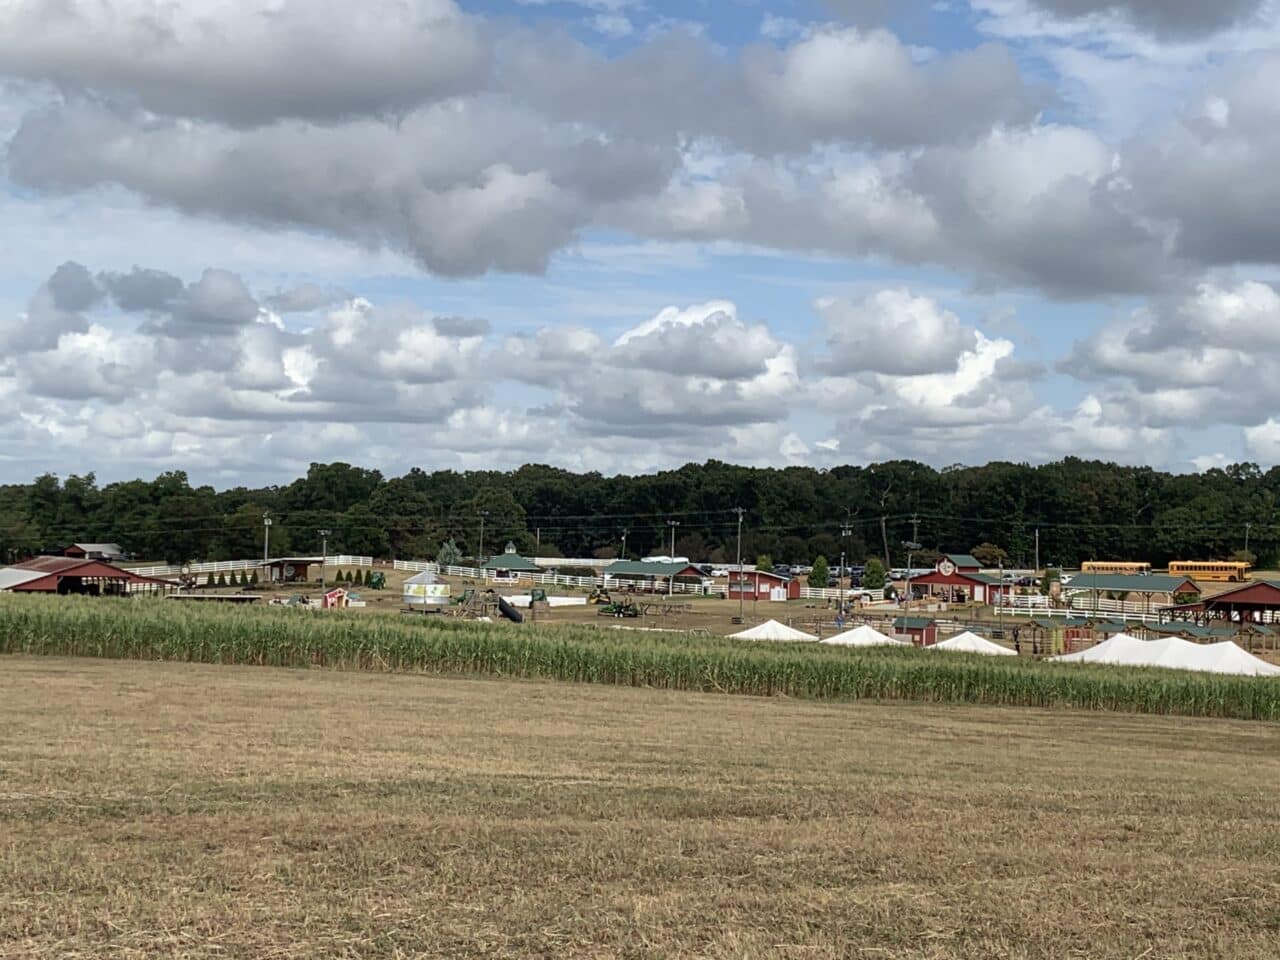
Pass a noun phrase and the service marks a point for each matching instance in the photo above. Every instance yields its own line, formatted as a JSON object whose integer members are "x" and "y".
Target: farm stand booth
{"x": 957, "y": 579}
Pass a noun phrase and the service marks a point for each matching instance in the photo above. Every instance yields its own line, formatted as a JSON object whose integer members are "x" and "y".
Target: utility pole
{"x": 671, "y": 580}
{"x": 537, "y": 538}
{"x": 911, "y": 546}
{"x": 266, "y": 536}
{"x": 845, "y": 533}
{"x": 739, "y": 511}
{"x": 623, "y": 555}
{"x": 1037, "y": 572}
{"x": 480, "y": 552}
{"x": 1247, "y": 527}
{"x": 1000, "y": 609}
{"x": 884, "y": 535}
{"x": 324, "y": 557}
{"x": 915, "y": 528}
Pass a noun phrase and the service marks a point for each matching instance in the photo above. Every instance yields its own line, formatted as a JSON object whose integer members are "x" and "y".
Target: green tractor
{"x": 621, "y": 609}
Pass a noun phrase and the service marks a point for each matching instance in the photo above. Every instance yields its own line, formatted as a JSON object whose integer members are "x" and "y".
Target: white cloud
{"x": 1263, "y": 440}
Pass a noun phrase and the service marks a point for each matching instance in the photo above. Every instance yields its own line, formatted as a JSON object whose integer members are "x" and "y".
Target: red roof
{"x": 54, "y": 564}
{"x": 81, "y": 567}
{"x": 1257, "y": 593}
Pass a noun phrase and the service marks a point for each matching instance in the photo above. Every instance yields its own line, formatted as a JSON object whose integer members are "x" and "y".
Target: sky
{"x": 241, "y": 236}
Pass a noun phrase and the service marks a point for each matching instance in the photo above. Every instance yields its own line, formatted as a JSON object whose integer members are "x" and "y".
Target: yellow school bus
{"x": 1114, "y": 566}
{"x": 1232, "y": 570}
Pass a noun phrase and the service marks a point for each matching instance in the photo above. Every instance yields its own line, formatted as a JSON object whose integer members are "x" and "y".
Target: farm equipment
{"x": 623, "y": 608}
{"x": 377, "y": 580}
{"x": 599, "y": 596}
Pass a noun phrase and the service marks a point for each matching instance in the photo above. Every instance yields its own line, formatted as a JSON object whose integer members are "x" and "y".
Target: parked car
{"x": 1026, "y": 581}
{"x": 782, "y": 569}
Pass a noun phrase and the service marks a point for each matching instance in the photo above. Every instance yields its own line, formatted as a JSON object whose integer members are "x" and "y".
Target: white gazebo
{"x": 772, "y": 630}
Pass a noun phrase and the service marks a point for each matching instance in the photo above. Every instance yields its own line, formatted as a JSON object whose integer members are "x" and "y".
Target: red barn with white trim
{"x": 72, "y": 575}
{"x": 761, "y": 584}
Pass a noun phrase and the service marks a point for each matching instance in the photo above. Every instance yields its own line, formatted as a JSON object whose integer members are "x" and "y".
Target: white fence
{"x": 834, "y": 593}
{"x": 1035, "y": 606}
{"x": 228, "y": 566}
{"x": 551, "y": 579}
{"x": 705, "y": 588}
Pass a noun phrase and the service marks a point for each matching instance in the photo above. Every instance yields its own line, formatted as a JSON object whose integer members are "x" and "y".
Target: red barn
{"x": 761, "y": 584}
{"x": 109, "y": 552}
{"x": 957, "y": 579}
{"x": 71, "y": 575}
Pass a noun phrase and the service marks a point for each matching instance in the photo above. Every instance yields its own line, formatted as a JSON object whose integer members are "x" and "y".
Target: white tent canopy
{"x": 864, "y": 636}
{"x": 1174, "y": 653}
{"x": 969, "y": 642}
{"x": 772, "y": 630}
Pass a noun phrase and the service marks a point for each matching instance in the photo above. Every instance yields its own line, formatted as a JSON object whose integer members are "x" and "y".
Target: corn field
{"x": 159, "y": 630}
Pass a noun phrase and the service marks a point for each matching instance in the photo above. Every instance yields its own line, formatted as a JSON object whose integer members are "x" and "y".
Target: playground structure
{"x": 484, "y": 605}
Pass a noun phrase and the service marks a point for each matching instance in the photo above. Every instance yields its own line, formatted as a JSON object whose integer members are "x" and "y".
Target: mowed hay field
{"x": 189, "y": 810}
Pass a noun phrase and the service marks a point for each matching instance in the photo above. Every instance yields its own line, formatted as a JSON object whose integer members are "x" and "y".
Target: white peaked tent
{"x": 772, "y": 630}
{"x": 969, "y": 642}
{"x": 864, "y": 636}
{"x": 1119, "y": 649}
{"x": 1174, "y": 653}
{"x": 1227, "y": 657}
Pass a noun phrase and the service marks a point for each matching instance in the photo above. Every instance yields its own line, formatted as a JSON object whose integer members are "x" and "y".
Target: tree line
{"x": 1073, "y": 510}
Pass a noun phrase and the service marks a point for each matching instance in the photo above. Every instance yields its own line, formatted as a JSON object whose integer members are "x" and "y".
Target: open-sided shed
{"x": 649, "y": 575}
{"x": 68, "y": 575}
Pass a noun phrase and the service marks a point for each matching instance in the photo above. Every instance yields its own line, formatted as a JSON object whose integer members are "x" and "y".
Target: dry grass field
{"x": 177, "y": 810}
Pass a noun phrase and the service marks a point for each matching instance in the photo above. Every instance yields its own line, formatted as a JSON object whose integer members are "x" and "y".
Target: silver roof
{"x": 11, "y": 577}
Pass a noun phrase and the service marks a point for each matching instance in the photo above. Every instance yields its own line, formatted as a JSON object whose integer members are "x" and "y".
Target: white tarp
{"x": 772, "y": 630}
{"x": 524, "y": 599}
{"x": 864, "y": 636}
{"x": 969, "y": 642}
{"x": 1174, "y": 653}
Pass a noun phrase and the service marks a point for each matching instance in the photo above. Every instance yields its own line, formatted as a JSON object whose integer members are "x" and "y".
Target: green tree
{"x": 19, "y": 535}
{"x": 1046, "y": 582}
{"x": 990, "y": 555}
{"x": 408, "y": 517}
{"x": 820, "y": 575}
{"x": 210, "y": 581}
{"x": 873, "y": 574}
{"x": 449, "y": 555}
{"x": 222, "y": 579}
{"x": 764, "y": 562}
